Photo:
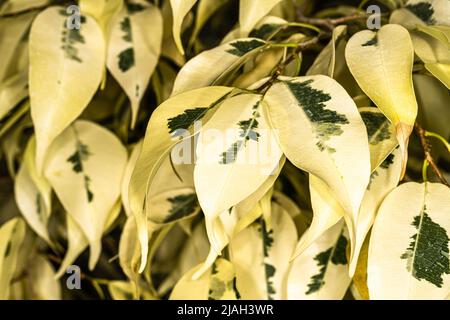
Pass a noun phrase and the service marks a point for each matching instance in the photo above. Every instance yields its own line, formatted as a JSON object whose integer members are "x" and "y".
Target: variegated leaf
{"x": 409, "y": 245}
{"x": 318, "y": 111}
{"x": 235, "y": 145}
{"x": 197, "y": 72}
{"x": 86, "y": 180}
{"x": 134, "y": 50}
{"x": 321, "y": 271}
{"x": 217, "y": 284}
{"x": 174, "y": 116}
{"x": 61, "y": 59}
{"x": 261, "y": 257}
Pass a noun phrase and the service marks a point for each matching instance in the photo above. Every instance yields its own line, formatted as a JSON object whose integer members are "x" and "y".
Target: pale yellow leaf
{"x": 381, "y": 63}
{"x": 133, "y": 51}
{"x": 57, "y": 67}
{"x": 85, "y": 165}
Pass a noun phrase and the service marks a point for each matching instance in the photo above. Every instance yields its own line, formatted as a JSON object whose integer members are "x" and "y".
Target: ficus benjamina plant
{"x": 224, "y": 149}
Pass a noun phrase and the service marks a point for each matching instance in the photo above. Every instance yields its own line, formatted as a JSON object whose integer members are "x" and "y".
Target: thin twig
{"x": 279, "y": 70}
{"x": 330, "y": 23}
{"x": 427, "y": 152}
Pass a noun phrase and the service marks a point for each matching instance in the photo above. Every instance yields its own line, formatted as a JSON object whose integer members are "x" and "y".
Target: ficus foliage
{"x": 224, "y": 149}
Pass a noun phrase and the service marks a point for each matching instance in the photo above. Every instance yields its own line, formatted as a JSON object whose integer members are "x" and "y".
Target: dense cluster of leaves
{"x": 224, "y": 149}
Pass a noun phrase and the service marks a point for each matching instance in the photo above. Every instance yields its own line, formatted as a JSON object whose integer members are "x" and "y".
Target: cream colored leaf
{"x": 261, "y": 257}
{"x": 327, "y": 213}
{"x": 197, "y": 72}
{"x": 127, "y": 176}
{"x": 168, "y": 119}
{"x": 129, "y": 250}
{"x": 220, "y": 231}
{"x": 381, "y": 132}
{"x": 318, "y": 111}
{"x": 442, "y": 33}
{"x": 180, "y": 9}
{"x": 440, "y": 71}
{"x": 133, "y": 51}
{"x": 251, "y": 11}
{"x": 383, "y": 180}
{"x": 33, "y": 193}
{"x": 321, "y": 271}
{"x": 171, "y": 206}
{"x": 326, "y": 60}
{"x": 123, "y": 290}
{"x": 58, "y": 64}
{"x": 11, "y": 236}
{"x": 405, "y": 18}
{"x": 433, "y": 48}
{"x": 229, "y": 223}
{"x": 409, "y": 245}
{"x": 101, "y": 10}
{"x": 41, "y": 280}
{"x": 85, "y": 165}
{"x": 77, "y": 241}
{"x": 217, "y": 284}
{"x": 430, "y": 12}
{"x": 235, "y": 145}
{"x": 169, "y": 48}
{"x": 381, "y": 63}
{"x": 247, "y": 205}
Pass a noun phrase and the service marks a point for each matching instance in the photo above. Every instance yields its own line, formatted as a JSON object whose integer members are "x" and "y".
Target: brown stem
{"x": 427, "y": 152}
{"x": 279, "y": 70}
{"x": 329, "y": 23}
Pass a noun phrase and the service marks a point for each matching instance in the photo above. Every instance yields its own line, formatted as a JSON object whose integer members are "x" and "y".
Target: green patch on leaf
{"x": 126, "y": 59}
{"x": 8, "y": 248}
{"x": 371, "y": 42}
{"x": 243, "y": 47}
{"x": 217, "y": 286}
{"x": 247, "y": 131}
{"x": 423, "y": 10}
{"x": 388, "y": 161}
{"x": 134, "y": 7}
{"x": 428, "y": 253}
{"x": 71, "y": 37}
{"x": 80, "y": 155}
{"x": 327, "y": 123}
{"x": 230, "y": 155}
{"x": 377, "y": 127}
{"x": 336, "y": 254}
{"x": 38, "y": 202}
{"x": 181, "y": 206}
{"x": 269, "y": 269}
{"x": 339, "y": 255}
{"x": 264, "y": 31}
{"x": 125, "y": 26}
{"x": 384, "y": 165}
{"x": 185, "y": 120}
